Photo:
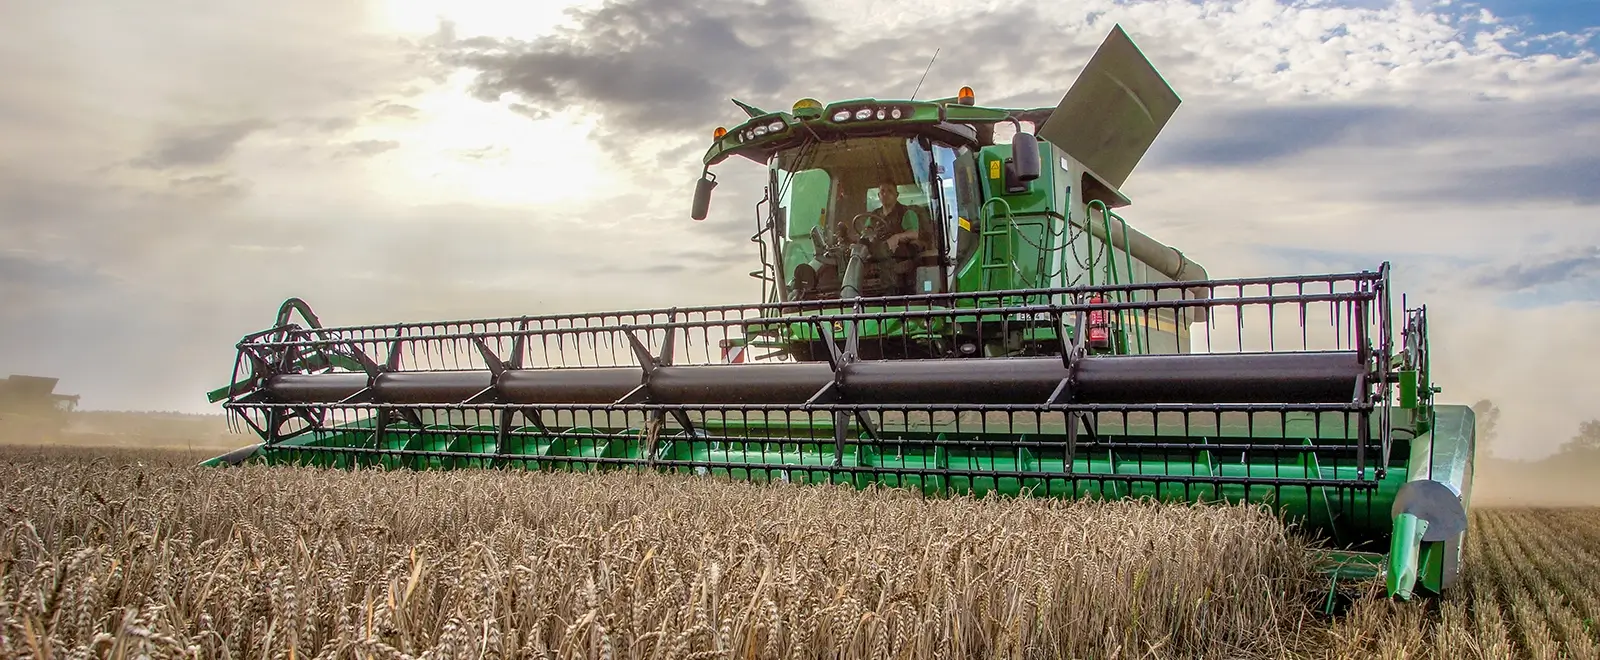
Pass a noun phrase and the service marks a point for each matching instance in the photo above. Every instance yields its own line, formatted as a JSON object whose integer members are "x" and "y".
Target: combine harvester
{"x": 1015, "y": 337}
{"x": 31, "y": 410}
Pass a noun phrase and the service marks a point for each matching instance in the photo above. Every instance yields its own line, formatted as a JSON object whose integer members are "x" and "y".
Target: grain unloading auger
{"x": 1009, "y": 334}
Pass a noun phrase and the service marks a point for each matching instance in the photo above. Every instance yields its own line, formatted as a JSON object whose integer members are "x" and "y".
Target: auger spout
{"x": 1430, "y": 510}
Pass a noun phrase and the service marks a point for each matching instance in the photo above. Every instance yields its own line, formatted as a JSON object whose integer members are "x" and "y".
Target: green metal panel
{"x": 1443, "y": 455}
{"x": 1016, "y": 235}
{"x": 1405, "y": 552}
{"x": 1408, "y": 388}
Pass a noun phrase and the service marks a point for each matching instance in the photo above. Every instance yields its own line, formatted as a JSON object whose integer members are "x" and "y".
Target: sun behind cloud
{"x": 453, "y": 147}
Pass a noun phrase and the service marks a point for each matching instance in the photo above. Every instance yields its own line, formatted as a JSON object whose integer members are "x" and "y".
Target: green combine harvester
{"x": 950, "y": 303}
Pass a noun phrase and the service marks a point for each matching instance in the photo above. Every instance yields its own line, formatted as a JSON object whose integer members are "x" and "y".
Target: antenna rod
{"x": 924, "y": 74}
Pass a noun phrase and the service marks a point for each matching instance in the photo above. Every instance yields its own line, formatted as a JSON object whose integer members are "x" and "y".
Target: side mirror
{"x": 702, "y": 196}
{"x": 805, "y": 279}
{"x": 1025, "y": 156}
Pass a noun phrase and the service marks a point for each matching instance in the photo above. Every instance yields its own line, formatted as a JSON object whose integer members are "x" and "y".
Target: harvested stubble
{"x": 1529, "y": 590}
{"x": 105, "y": 560}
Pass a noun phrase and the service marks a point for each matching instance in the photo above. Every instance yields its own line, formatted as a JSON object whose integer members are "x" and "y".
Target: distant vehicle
{"x": 30, "y": 404}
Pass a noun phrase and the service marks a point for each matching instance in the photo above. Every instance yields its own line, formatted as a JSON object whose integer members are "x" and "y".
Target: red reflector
{"x": 1099, "y": 335}
{"x": 1097, "y": 316}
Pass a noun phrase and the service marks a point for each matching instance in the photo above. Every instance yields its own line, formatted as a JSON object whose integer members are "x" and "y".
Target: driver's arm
{"x": 908, "y": 227}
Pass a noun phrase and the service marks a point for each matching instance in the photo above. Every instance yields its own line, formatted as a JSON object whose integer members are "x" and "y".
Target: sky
{"x": 171, "y": 171}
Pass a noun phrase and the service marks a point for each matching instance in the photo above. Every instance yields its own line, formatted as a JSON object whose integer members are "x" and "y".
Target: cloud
{"x": 1574, "y": 179}
{"x": 652, "y": 68}
{"x": 211, "y": 187}
{"x": 392, "y": 110}
{"x": 1415, "y": 153}
{"x": 202, "y": 112}
{"x": 1261, "y": 136}
{"x": 365, "y": 148}
{"x": 199, "y": 145}
{"x": 706, "y": 256}
{"x": 36, "y": 286}
{"x": 128, "y": 163}
{"x": 652, "y": 65}
{"x": 30, "y": 271}
{"x": 1575, "y": 264}
{"x": 489, "y": 152}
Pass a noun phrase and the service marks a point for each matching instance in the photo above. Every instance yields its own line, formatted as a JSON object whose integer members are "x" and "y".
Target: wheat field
{"x": 121, "y": 556}
{"x": 126, "y": 554}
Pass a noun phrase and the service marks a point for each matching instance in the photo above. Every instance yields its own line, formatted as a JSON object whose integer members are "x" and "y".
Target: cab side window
{"x": 969, "y": 198}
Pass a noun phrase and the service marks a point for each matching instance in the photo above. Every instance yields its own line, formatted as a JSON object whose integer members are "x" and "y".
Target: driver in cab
{"x": 891, "y": 216}
{"x": 896, "y": 216}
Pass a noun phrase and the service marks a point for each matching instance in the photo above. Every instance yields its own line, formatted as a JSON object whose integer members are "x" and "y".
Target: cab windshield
{"x": 910, "y": 204}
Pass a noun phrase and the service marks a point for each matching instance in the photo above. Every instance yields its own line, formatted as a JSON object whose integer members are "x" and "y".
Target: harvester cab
{"x": 942, "y": 309}
{"x": 982, "y": 199}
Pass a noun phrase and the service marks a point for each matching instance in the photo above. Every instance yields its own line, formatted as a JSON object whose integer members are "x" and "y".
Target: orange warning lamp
{"x": 965, "y": 96}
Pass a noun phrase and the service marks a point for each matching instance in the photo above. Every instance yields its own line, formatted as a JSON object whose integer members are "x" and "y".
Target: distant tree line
{"x": 1585, "y": 443}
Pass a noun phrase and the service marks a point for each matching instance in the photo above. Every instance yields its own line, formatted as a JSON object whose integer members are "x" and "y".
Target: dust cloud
{"x": 128, "y": 430}
{"x": 1565, "y": 480}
